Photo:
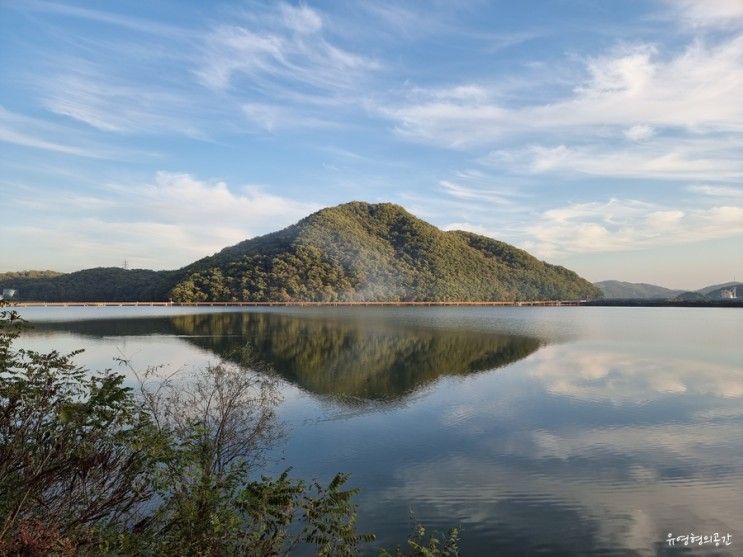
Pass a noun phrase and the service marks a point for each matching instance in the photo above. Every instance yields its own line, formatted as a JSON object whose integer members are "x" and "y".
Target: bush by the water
{"x": 89, "y": 466}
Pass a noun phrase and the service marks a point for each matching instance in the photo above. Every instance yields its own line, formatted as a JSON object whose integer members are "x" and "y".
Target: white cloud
{"x": 270, "y": 57}
{"x": 717, "y": 191}
{"x": 460, "y": 191}
{"x": 301, "y": 18}
{"x": 36, "y": 133}
{"x": 681, "y": 112}
{"x": 625, "y": 225}
{"x": 167, "y": 223}
{"x": 131, "y": 23}
{"x": 705, "y": 13}
{"x": 274, "y": 64}
{"x": 697, "y": 158}
{"x": 179, "y": 197}
{"x": 273, "y": 117}
{"x": 95, "y": 99}
{"x": 639, "y": 132}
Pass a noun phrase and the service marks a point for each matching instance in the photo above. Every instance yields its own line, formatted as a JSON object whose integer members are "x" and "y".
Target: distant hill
{"x": 13, "y": 275}
{"x": 690, "y": 297}
{"x": 91, "y": 285}
{"x": 616, "y": 289}
{"x": 355, "y": 251}
{"x": 713, "y": 292}
{"x": 717, "y": 288}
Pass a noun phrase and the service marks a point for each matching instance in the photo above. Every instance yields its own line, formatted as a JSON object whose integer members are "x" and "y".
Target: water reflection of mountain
{"x": 355, "y": 357}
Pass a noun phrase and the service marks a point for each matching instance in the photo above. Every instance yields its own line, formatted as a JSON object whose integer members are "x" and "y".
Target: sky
{"x": 603, "y": 136}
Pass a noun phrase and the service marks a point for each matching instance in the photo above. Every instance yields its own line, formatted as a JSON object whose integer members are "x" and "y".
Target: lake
{"x": 562, "y": 431}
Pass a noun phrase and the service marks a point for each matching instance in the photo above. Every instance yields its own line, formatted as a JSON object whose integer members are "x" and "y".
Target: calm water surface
{"x": 560, "y": 431}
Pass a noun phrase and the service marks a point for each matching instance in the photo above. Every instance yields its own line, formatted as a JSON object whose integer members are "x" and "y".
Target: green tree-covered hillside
{"x": 352, "y": 252}
{"x": 91, "y": 285}
{"x": 364, "y": 252}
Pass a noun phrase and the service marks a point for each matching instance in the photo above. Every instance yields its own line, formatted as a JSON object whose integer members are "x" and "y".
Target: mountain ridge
{"x": 351, "y": 252}
{"x": 617, "y": 289}
{"x": 622, "y": 290}
{"x": 375, "y": 252}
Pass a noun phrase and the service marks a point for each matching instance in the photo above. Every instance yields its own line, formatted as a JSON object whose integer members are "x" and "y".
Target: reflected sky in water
{"x": 557, "y": 430}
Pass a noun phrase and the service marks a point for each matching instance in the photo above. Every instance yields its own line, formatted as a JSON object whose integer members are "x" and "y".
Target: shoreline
{"x": 514, "y": 303}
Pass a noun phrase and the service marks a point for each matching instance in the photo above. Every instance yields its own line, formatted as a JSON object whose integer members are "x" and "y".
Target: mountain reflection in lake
{"x": 353, "y": 358}
{"x": 601, "y": 430}
{"x": 348, "y": 358}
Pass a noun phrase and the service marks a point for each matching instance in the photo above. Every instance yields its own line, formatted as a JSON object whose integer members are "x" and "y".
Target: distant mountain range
{"x": 618, "y": 290}
{"x": 352, "y": 252}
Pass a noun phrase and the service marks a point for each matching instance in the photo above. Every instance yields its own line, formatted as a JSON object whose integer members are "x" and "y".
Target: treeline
{"x": 99, "y": 284}
{"x": 14, "y": 275}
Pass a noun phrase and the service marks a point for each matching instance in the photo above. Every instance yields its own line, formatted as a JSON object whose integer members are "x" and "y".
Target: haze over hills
{"x": 352, "y": 252}
{"x": 619, "y": 290}
{"x": 714, "y": 292}
{"x": 713, "y": 289}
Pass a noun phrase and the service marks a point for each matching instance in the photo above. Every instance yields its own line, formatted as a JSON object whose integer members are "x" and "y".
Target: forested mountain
{"x": 352, "y": 252}
{"x": 619, "y": 290}
{"x": 359, "y": 251}
{"x": 99, "y": 284}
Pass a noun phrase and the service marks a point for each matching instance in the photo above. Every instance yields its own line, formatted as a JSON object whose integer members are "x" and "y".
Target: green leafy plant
{"x": 76, "y": 452}
{"x": 422, "y": 544}
{"x": 89, "y": 466}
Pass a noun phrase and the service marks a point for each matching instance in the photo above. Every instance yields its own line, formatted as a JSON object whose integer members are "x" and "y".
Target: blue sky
{"x": 604, "y": 136}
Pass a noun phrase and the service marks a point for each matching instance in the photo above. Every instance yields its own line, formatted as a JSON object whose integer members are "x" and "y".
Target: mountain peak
{"x": 355, "y": 251}
{"x": 376, "y": 252}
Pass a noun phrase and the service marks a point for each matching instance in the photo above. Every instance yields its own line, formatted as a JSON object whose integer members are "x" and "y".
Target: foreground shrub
{"x": 76, "y": 451}
{"x": 89, "y": 466}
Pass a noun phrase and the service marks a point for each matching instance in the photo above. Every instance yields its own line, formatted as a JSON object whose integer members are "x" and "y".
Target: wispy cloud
{"x": 493, "y": 196}
{"x": 277, "y": 52}
{"x": 639, "y": 132}
{"x": 136, "y": 24}
{"x": 699, "y": 158}
{"x": 717, "y": 191}
{"x": 275, "y": 66}
{"x": 94, "y": 98}
{"x": 274, "y": 117}
{"x": 696, "y": 90}
{"x": 703, "y": 13}
{"x": 38, "y": 134}
{"x": 626, "y": 224}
